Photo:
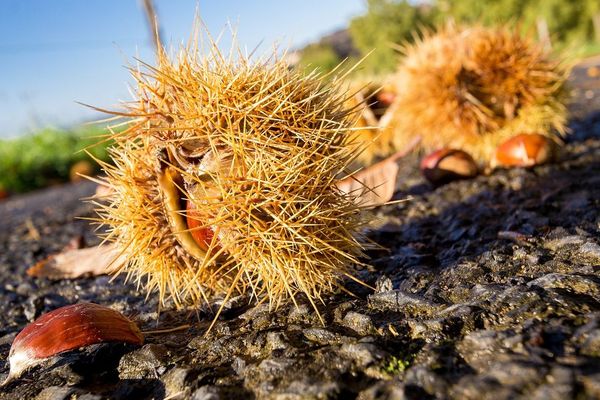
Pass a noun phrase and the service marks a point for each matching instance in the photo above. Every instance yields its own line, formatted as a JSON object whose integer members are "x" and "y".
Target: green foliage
{"x": 319, "y": 56}
{"x": 389, "y": 23}
{"x": 487, "y": 12}
{"x": 567, "y": 20}
{"x": 586, "y": 50}
{"x": 37, "y": 160}
{"x": 395, "y": 365}
{"x": 386, "y": 23}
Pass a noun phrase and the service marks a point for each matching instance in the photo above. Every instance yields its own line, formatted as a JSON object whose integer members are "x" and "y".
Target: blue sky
{"x": 53, "y": 53}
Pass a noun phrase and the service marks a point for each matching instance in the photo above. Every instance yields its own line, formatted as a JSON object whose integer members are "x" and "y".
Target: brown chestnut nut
{"x": 524, "y": 150}
{"x": 203, "y": 236}
{"x": 386, "y": 98}
{"x": 68, "y": 328}
{"x": 446, "y": 165}
{"x": 80, "y": 170}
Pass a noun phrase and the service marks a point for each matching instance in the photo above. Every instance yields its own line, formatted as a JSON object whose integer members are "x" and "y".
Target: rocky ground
{"x": 490, "y": 289}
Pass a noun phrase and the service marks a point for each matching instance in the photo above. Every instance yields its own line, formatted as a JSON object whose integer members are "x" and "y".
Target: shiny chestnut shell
{"x": 524, "y": 150}
{"x": 446, "y": 165}
{"x": 75, "y": 326}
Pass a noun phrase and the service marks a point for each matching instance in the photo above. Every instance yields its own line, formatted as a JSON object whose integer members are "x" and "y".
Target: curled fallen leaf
{"x": 75, "y": 263}
{"x": 375, "y": 185}
{"x": 68, "y": 328}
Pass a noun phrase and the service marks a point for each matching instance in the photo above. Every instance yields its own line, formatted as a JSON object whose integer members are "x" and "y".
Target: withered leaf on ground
{"x": 376, "y": 184}
{"x": 75, "y": 263}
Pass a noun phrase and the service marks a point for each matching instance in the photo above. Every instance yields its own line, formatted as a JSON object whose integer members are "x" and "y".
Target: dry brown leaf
{"x": 75, "y": 263}
{"x": 372, "y": 186}
{"x": 375, "y": 185}
{"x": 32, "y": 231}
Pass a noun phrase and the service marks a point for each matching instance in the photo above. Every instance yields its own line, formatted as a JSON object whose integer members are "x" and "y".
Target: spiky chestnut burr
{"x": 372, "y": 99}
{"x": 472, "y": 88}
{"x": 224, "y": 181}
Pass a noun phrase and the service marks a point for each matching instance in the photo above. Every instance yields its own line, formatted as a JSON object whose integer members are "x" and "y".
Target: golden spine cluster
{"x": 371, "y": 97}
{"x": 472, "y": 88}
{"x": 224, "y": 180}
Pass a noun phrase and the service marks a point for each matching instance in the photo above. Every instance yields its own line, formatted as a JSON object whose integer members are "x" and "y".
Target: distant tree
{"x": 386, "y": 23}
{"x": 488, "y": 12}
{"x": 321, "y": 56}
{"x": 567, "y": 20}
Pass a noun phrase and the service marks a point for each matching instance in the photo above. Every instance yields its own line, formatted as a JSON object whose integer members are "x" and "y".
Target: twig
{"x": 152, "y": 19}
{"x": 169, "y": 330}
